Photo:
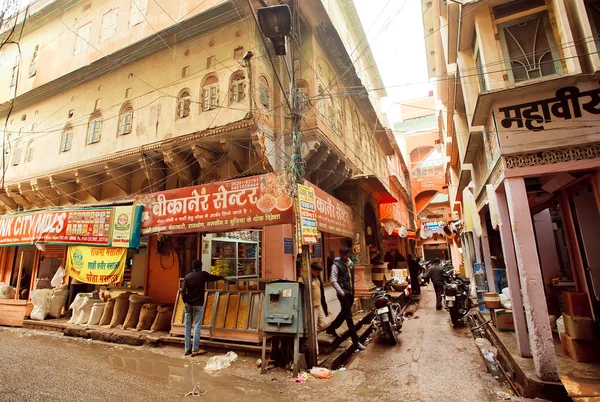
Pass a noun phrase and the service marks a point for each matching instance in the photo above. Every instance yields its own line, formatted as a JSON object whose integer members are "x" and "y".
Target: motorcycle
{"x": 456, "y": 296}
{"x": 387, "y": 315}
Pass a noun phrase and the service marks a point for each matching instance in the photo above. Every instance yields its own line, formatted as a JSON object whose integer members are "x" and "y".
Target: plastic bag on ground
{"x": 320, "y": 372}
{"x": 560, "y": 325}
{"x": 41, "y": 299}
{"x": 58, "y": 278}
{"x": 220, "y": 362}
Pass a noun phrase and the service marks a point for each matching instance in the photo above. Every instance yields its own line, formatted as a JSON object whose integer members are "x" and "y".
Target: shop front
{"x": 35, "y": 245}
{"x": 241, "y": 229}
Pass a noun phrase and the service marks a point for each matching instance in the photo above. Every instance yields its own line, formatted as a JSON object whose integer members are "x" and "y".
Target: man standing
{"x": 435, "y": 275}
{"x": 342, "y": 279}
{"x": 318, "y": 298}
{"x": 192, "y": 295}
{"x": 414, "y": 269}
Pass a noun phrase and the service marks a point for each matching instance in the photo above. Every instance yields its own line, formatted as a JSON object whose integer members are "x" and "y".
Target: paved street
{"x": 433, "y": 362}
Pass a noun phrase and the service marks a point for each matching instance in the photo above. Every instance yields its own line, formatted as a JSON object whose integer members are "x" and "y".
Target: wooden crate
{"x": 13, "y": 312}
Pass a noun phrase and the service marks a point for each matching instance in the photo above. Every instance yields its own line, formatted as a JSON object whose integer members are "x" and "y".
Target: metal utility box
{"x": 282, "y": 308}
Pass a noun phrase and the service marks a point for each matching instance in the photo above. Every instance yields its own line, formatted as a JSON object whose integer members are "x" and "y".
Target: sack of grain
{"x": 85, "y": 310}
{"x": 162, "y": 322}
{"x": 121, "y": 309}
{"x": 108, "y": 312}
{"x": 147, "y": 316}
{"x": 135, "y": 306}
{"x": 96, "y": 313}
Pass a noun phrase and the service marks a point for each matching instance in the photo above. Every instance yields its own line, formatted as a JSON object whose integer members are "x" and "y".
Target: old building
{"x": 519, "y": 94}
{"x": 108, "y": 101}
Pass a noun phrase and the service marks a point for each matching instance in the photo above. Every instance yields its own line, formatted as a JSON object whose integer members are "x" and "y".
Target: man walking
{"x": 318, "y": 298}
{"x": 435, "y": 275}
{"x": 342, "y": 279}
{"x": 192, "y": 295}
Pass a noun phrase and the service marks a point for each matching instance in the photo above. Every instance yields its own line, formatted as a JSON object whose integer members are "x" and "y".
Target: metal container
{"x": 282, "y": 308}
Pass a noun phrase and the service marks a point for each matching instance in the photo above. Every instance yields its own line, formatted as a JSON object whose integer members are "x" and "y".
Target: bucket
{"x": 377, "y": 274}
{"x": 492, "y": 300}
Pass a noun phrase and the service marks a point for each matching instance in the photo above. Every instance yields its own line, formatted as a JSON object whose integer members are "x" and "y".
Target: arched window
{"x": 210, "y": 93}
{"x": 125, "y": 119}
{"x": 94, "y": 128}
{"x": 16, "y": 157}
{"x": 66, "y": 138}
{"x": 237, "y": 88}
{"x": 28, "y": 152}
{"x": 183, "y": 104}
{"x": 263, "y": 87}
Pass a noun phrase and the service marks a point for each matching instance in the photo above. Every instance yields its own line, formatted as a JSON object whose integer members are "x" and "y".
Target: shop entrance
{"x": 586, "y": 219}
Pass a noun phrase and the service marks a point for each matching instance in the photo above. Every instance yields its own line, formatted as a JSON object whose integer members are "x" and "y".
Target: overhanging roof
{"x": 374, "y": 186}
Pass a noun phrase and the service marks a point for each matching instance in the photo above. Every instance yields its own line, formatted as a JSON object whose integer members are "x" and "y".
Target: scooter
{"x": 387, "y": 315}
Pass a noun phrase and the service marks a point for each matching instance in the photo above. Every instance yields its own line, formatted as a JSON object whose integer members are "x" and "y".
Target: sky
{"x": 395, "y": 32}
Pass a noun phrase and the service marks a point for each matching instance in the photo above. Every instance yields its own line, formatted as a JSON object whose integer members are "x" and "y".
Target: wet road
{"x": 432, "y": 362}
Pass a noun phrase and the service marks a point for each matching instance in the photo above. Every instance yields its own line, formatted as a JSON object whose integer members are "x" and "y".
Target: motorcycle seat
{"x": 394, "y": 295}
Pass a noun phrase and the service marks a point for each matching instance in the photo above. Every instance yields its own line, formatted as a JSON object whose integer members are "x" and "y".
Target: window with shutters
{"x": 13, "y": 81}
{"x": 237, "y": 89}
{"x": 263, "y": 88}
{"x": 529, "y": 47}
{"x": 125, "y": 119}
{"x": 66, "y": 139}
{"x": 109, "y": 25}
{"x": 94, "y": 128}
{"x": 83, "y": 37}
{"x": 138, "y": 11}
{"x": 17, "y": 154}
{"x": 28, "y": 152}
{"x": 210, "y": 93}
{"x": 183, "y": 104}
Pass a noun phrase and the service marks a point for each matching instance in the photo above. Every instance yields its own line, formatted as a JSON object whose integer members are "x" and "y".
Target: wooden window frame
{"x": 94, "y": 132}
{"x": 66, "y": 140}
{"x": 184, "y": 102}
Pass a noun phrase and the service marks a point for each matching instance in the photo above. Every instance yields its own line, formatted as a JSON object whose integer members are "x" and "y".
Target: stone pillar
{"x": 540, "y": 334}
{"x": 512, "y": 275}
{"x": 487, "y": 256}
{"x": 363, "y": 283}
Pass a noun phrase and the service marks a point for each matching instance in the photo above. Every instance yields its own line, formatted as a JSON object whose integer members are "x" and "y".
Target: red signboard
{"x": 333, "y": 216}
{"x": 231, "y": 205}
{"x": 89, "y": 226}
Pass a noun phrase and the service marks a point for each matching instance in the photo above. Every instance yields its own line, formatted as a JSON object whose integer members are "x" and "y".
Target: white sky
{"x": 395, "y": 32}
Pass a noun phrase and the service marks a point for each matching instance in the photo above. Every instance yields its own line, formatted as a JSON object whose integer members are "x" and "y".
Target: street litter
{"x": 320, "y": 372}
{"x": 220, "y": 362}
{"x": 197, "y": 391}
{"x": 342, "y": 368}
{"x": 258, "y": 363}
{"x": 302, "y": 377}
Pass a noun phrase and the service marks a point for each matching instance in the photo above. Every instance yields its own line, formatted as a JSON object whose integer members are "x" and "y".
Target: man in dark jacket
{"x": 192, "y": 295}
{"x": 342, "y": 279}
{"x": 435, "y": 275}
{"x": 414, "y": 269}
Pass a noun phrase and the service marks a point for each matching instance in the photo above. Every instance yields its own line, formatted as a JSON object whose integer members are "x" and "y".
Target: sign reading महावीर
{"x": 563, "y": 117}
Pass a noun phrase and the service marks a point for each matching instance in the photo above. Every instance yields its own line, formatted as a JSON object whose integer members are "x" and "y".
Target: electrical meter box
{"x": 282, "y": 308}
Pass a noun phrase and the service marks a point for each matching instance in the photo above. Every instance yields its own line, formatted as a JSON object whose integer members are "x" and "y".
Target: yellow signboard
{"x": 308, "y": 218}
{"x": 96, "y": 265}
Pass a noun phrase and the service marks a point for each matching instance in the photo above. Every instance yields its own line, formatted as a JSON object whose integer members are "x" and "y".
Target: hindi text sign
{"x": 96, "y": 265}
{"x": 308, "y": 217}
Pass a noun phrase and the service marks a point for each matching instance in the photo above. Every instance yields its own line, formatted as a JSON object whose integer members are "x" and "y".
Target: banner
{"x": 333, "y": 216}
{"x": 108, "y": 226}
{"x": 231, "y": 205}
{"x": 306, "y": 208}
{"x": 96, "y": 265}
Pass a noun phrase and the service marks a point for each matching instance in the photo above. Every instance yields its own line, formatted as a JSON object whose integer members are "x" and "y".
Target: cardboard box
{"x": 580, "y": 328}
{"x": 504, "y": 320}
{"x": 580, "y": 351}
{"x": 577, "y": 304}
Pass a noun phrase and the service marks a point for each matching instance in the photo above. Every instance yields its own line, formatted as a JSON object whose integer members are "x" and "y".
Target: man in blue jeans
{"x": 192, "y": 295}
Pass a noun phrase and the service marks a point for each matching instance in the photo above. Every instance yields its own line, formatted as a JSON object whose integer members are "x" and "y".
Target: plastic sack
{"x": 76, "y": 305}
{"x": 84, "y": 310}
{"x": 41, "y": 299}
{"x": 58, "y": 278}
{"x": 320, "y": 372}
{"x": 96, "y": 313}
{"x": 560, "y": 325}
{"x": 7, "y": 292}
{"x": 220, "y": 362}
{"x": 506, "y": 293}
{"x": 59, "y": 298}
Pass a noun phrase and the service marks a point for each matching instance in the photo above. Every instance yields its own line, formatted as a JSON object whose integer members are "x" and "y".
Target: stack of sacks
{"x": 136, "y": 302}
{"x": 85, "y": 310}
{"x": 147, "y": 316}
{"x": 96, "y": 313}
{"x": 76, "y": 305}
{"x": 120, "y": 310}
{"x": 107, "y": 314}
{"x": 59, "y": 298}
{"x": 162, "y": 322}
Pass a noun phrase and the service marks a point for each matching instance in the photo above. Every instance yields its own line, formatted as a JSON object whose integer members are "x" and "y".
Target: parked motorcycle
{"x": 456, "y": 296}
{"x": 387, "y": 315}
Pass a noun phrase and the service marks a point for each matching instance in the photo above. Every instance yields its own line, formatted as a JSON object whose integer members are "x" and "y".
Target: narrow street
{"x": 432, "y": 362}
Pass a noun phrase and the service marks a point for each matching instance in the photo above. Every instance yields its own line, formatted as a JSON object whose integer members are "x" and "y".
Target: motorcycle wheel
{"x": 390, "y": 333}
{"x": 454, "y": 315}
